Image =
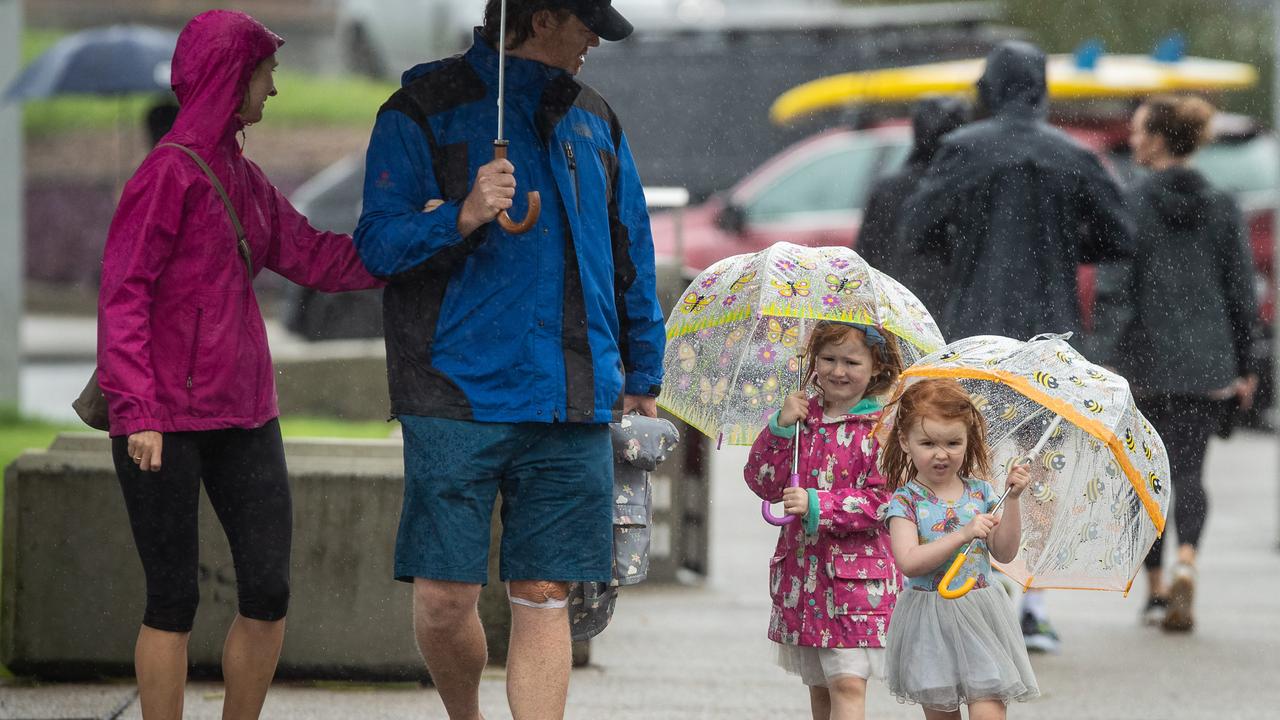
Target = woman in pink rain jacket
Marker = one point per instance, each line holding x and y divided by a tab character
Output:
832	579
184	365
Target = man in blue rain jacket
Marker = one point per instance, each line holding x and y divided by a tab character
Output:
508	354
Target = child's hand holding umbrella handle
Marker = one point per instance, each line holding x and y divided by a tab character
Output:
794	409
795	501
1019	478
980	527
1015	483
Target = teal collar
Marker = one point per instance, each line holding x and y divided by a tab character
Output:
866	406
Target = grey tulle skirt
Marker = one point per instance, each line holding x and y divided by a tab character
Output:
946	653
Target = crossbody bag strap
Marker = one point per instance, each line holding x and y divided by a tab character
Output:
241	241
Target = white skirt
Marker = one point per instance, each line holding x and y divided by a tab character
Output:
818	666
947	653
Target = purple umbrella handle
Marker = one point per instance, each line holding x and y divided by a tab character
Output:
767	511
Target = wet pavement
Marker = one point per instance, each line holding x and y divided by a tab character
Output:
699	651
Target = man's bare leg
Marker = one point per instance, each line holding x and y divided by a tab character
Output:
249	658
446	621
541	652
160	662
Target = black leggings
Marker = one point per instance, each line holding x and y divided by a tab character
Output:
1185	423
245	477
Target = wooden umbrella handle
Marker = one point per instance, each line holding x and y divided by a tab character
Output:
535	200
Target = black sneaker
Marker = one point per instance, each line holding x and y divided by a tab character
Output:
1155	611
1038	634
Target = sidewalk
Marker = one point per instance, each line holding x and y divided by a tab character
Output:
686	652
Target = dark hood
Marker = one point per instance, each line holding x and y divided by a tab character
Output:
1013	82
1181	196
931	118
216	55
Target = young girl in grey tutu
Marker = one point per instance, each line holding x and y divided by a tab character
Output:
944	653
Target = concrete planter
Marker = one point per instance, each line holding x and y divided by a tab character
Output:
73	588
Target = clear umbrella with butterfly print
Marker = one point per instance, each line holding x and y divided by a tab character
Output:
735	337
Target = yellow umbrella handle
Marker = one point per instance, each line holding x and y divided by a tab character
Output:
944	587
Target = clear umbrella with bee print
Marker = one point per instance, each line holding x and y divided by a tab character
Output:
1099	490
734	338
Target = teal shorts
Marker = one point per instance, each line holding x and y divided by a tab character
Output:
556	481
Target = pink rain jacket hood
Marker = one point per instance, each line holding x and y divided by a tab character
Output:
181	341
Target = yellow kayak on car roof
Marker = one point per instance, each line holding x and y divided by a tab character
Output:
1114	76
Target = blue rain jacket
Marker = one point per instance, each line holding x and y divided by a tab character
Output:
552	325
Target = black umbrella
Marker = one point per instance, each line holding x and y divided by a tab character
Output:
114	60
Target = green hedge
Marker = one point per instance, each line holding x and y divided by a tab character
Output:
304	99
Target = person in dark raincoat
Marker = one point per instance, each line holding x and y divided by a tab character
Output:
931	118
1178	321
1025	203
1013	206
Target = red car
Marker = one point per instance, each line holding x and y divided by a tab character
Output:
813	193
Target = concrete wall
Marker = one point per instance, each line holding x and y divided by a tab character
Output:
11	262
72	586
335	378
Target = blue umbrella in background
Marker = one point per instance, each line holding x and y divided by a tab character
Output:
115	60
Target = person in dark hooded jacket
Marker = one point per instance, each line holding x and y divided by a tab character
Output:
931	119
1177	321
1014	206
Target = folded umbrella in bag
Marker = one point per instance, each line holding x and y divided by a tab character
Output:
640	444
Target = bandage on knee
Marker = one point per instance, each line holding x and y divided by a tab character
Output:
549	603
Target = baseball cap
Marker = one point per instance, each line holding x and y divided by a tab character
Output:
600	18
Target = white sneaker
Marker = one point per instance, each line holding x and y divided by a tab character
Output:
1182	592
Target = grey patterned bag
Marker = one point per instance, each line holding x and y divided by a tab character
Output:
640	444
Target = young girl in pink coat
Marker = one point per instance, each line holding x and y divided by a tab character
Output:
832	577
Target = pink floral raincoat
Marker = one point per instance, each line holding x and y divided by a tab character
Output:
835	589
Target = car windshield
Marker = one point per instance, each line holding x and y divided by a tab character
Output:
1249	169
833	179
1246	166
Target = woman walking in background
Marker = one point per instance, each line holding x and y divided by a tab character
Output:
184	365
1177	321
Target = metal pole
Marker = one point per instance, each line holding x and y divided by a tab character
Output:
11	234
1275	221
502	64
